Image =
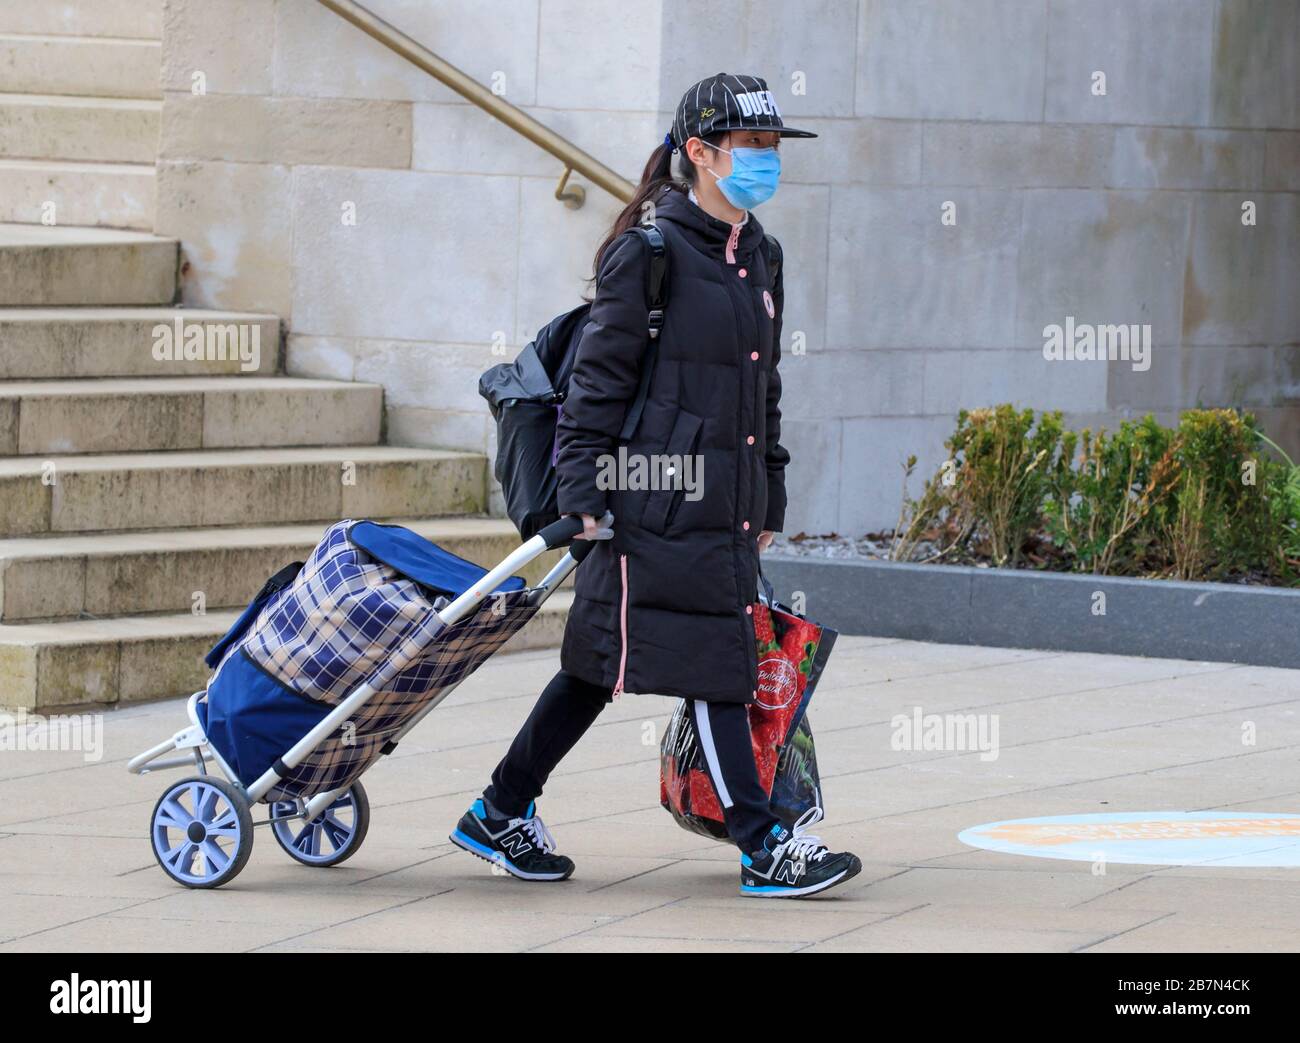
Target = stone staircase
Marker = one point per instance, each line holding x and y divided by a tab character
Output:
140	510
144	499
79	108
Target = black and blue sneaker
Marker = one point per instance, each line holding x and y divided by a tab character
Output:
795	864
522	846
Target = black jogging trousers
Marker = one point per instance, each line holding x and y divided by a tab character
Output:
568	706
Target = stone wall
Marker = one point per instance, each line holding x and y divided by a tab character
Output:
1115	208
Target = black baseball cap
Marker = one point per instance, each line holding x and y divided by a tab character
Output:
727	102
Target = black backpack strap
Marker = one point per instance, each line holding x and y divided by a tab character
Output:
657	298
657	287
773	258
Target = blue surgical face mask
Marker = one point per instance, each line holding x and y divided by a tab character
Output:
754	175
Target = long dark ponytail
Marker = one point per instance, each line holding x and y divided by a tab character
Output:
657	175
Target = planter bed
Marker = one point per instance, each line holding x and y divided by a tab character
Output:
962	605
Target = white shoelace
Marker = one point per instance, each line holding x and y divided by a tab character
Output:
802	845
536	829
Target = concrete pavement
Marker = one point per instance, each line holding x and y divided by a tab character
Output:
1076	734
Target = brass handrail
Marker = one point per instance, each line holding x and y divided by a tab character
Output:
471	90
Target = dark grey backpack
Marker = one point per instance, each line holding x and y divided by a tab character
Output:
526	397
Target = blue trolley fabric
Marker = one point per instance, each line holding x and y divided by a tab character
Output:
360	611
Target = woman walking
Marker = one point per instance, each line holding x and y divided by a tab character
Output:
665	606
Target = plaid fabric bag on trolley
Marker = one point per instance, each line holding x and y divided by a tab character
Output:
353	615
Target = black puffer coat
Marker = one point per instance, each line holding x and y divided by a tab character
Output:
663	608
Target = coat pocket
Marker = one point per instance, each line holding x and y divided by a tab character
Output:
662	503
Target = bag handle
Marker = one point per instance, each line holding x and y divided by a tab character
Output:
765	586
656	289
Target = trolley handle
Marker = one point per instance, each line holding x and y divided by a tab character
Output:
558	533
552	536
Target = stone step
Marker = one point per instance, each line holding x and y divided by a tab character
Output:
98	662
116	492
143	414
112	574
105	195
126	18
42	266
100	130
71	343
82	66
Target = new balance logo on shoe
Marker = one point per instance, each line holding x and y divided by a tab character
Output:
515	845
789	872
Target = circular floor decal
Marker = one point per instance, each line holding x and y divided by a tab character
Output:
1164	838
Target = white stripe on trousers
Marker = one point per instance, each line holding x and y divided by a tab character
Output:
705	729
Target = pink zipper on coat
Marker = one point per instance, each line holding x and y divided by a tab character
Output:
622	623
732	240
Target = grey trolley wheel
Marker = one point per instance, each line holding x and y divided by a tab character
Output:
202	832
332	837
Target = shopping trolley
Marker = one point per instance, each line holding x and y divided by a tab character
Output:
328	668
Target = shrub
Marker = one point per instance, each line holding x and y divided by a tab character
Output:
987	498
1104	510
1199	501
1003	477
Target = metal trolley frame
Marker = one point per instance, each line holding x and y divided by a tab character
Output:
214	814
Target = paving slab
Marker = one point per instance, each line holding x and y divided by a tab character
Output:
1078	734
